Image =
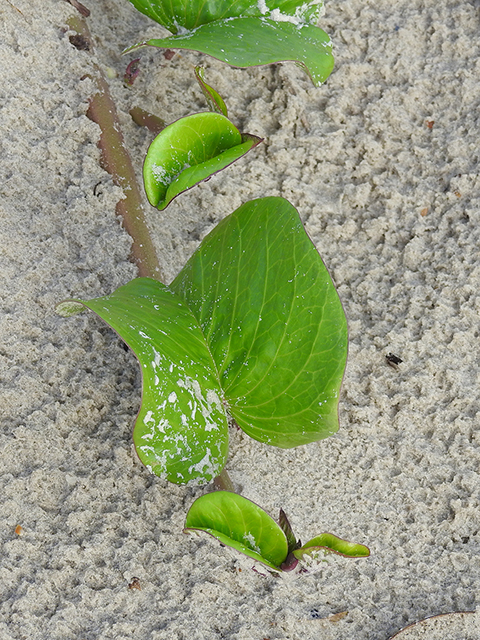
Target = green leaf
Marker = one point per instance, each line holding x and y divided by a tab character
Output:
253	321
273	321
242	525
189	14
181	431
328	543
248	42
239	524
214	100
189	151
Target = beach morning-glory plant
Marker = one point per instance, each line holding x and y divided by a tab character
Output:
244	526
245	33
251	329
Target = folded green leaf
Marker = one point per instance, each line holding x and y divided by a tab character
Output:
249	42
328	543
240	524
189	151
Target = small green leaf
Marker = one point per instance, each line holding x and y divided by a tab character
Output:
249	42
181	431
273	322
239	524
189	151
214	100
328	543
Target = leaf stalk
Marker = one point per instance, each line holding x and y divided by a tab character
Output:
223	482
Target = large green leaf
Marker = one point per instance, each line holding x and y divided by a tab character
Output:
273	322
249	42
253	319
181	431
239	524
190	150
189	14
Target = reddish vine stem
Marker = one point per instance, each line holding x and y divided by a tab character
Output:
116	160
145	119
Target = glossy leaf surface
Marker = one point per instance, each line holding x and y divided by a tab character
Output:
189	151
252	320
245	33
181	431
239	524
189	14
327	542
250	42
273	322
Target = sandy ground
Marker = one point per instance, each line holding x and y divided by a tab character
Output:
382	164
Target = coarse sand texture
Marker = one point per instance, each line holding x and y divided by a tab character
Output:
382	164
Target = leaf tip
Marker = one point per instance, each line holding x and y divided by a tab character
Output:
69	308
